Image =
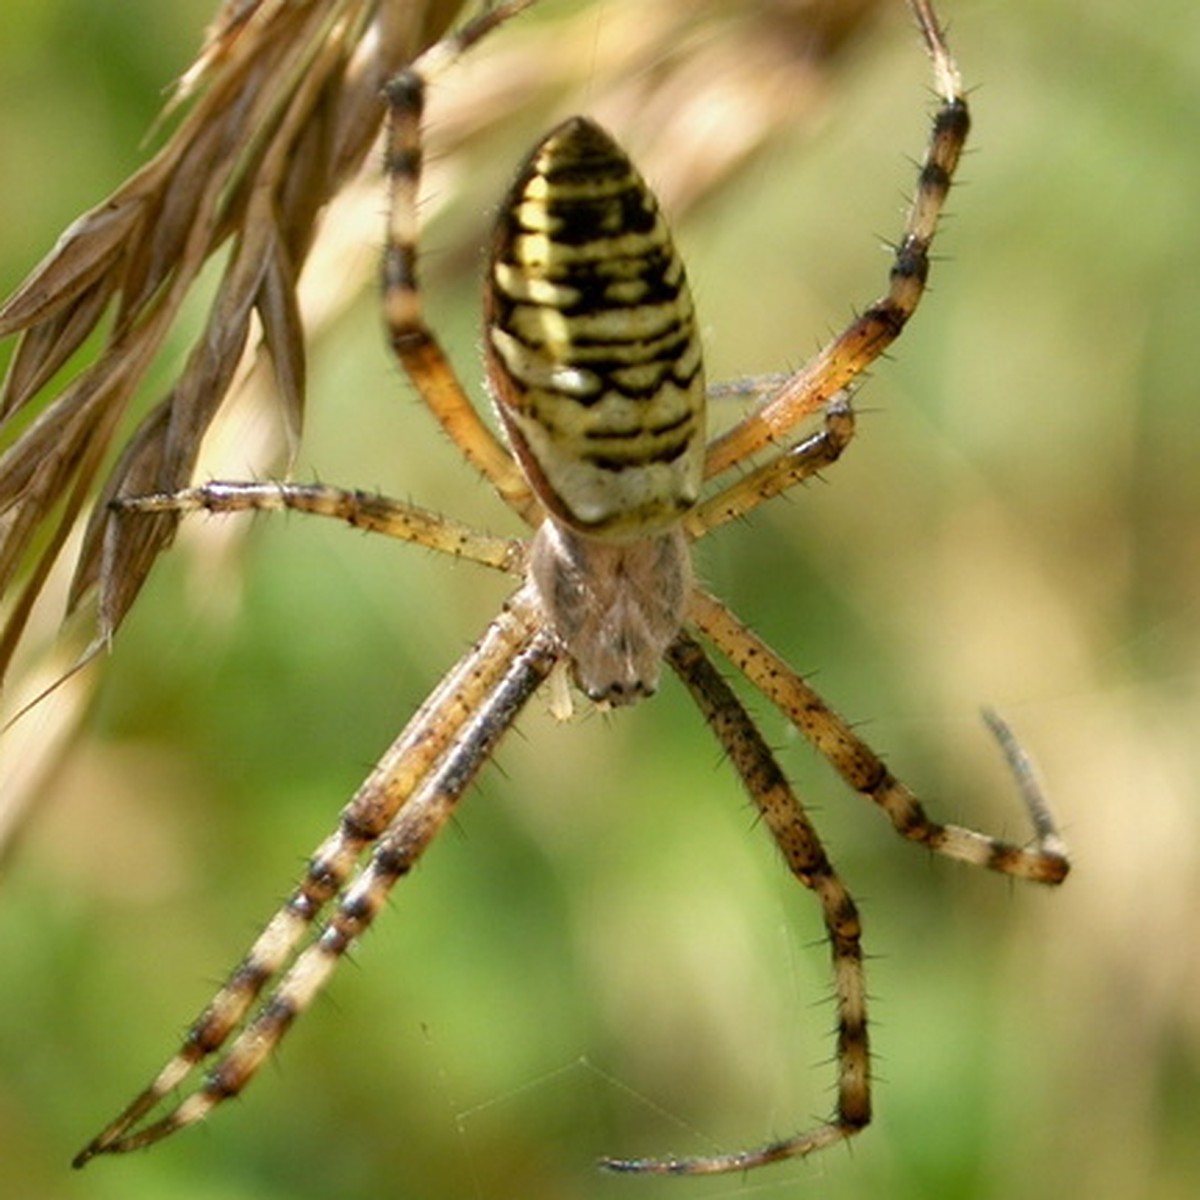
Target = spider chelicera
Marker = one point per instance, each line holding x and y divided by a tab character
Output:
595	368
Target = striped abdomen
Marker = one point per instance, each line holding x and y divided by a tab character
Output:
591	343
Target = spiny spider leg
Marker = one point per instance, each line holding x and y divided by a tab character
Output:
832	736
414	343
775	476
801	847
450	733
853	350
363	510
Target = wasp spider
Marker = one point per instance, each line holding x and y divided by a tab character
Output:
595	369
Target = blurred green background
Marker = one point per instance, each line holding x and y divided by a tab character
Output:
603	955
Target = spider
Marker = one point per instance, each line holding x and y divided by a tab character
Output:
594	365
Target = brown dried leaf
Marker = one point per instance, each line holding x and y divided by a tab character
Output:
283	337
83	254
135	472
46	347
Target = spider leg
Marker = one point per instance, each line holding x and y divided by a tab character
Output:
793	466
853	350
831	735
401	806
801	848
414	344
363	510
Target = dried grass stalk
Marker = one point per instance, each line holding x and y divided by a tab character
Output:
282	105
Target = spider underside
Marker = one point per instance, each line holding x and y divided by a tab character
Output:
595	369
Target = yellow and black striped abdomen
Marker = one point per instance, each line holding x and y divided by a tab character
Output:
592	349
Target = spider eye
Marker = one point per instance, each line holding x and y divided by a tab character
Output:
592	349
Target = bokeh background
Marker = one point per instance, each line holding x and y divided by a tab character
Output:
603	954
